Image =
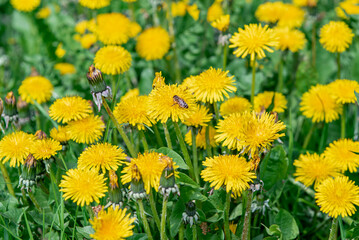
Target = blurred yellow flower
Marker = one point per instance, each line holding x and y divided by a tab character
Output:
178	9
305	3
153	43
343	90
291	16
234	105
60	52
347	7
193	11
263	100
291	39
94	4
25	5
269	11
201	137
113	28
221	23
36	88
336	36
113	60
134	29
81	26
43	13
86	130
199	118
87	40
214	12
65	68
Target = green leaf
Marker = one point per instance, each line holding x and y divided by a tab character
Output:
176	217
273	230
189	193
85	231
287	224
237	211
175	156
146	79
138	236
185	180
274	167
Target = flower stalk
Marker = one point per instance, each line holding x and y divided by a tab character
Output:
253	80
338	64
154	211
7	179
208	143
194	154
226	216
163	218
167	136
247	217
144	219
342	120
334	229
144	141
157	135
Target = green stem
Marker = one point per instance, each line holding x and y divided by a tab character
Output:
253	80
314	43
341	227
154	211
163	218
247	217
34	201
194	153
183	148
144	141
216	112
226	216
225	53
338	64
7	180
208	143
132	12
181	232
144	219
194	232
63	161
167	136
158	135
280	75
28	226
73	231
342	135
309	136
333	230
129	145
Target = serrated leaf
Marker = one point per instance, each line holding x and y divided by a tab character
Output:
175	156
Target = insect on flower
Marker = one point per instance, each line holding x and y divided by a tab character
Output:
179	101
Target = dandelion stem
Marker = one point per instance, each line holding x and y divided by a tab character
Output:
34	201
225	53
247	216
253	79
73	231
129	145
314	42
154	211
6	177
280	75
167	135
63	161
208	143
144	141
181	232
184	148
144	219
132	11
216	112
163	218
342	133
194	232
158	135
194	153
338	64
334	229
308	137
226	216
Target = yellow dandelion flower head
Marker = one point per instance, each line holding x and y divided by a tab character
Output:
87	40
15	147
337	197
25	5
113	28
291	17
158	81
291	39
60	52
234	105
129	1
77	37
213	85
153	43
102	156
43	13
320	105
86	130
45	148
67	109
130	93
253	40
94	4
170	101
81	26
92	25
178	9
65	68
83	186
231	171
348	7
134	29
269	11
188	82
305	3
314	168
200	117
201	137
343	90
344	152
214	12
263	100
134	111
60	134
113	60
193	11
36	88
113	224
221	23
336	36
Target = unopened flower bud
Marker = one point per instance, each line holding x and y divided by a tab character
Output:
190	216
40	134
158	81
1	106
10	111
114	192
137	189
168	180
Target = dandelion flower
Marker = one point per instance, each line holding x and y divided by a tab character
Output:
81	26
199	118
65	68
83	186
67	109
178	9
234	105
291	39
343	90
102	156
113	224
153	43
87	40
45	148
269	11
134	92
60	134
319	105
314	168
60	52
214	12
36	88
213	85
291	16
94	4
348	7
337	197
113	60
263	100
43	13
193	11
113	28
134	111
162	105
134	29
15	147
253	40
221	23
344	152
201	137
336	36
231	171
305	3
25	5
86	130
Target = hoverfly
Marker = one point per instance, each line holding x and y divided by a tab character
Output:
179	101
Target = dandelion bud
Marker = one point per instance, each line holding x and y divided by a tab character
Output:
23	110
1	106
10	111
115	194
40	134
190	216
159	81
32	172
137	186
168	180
